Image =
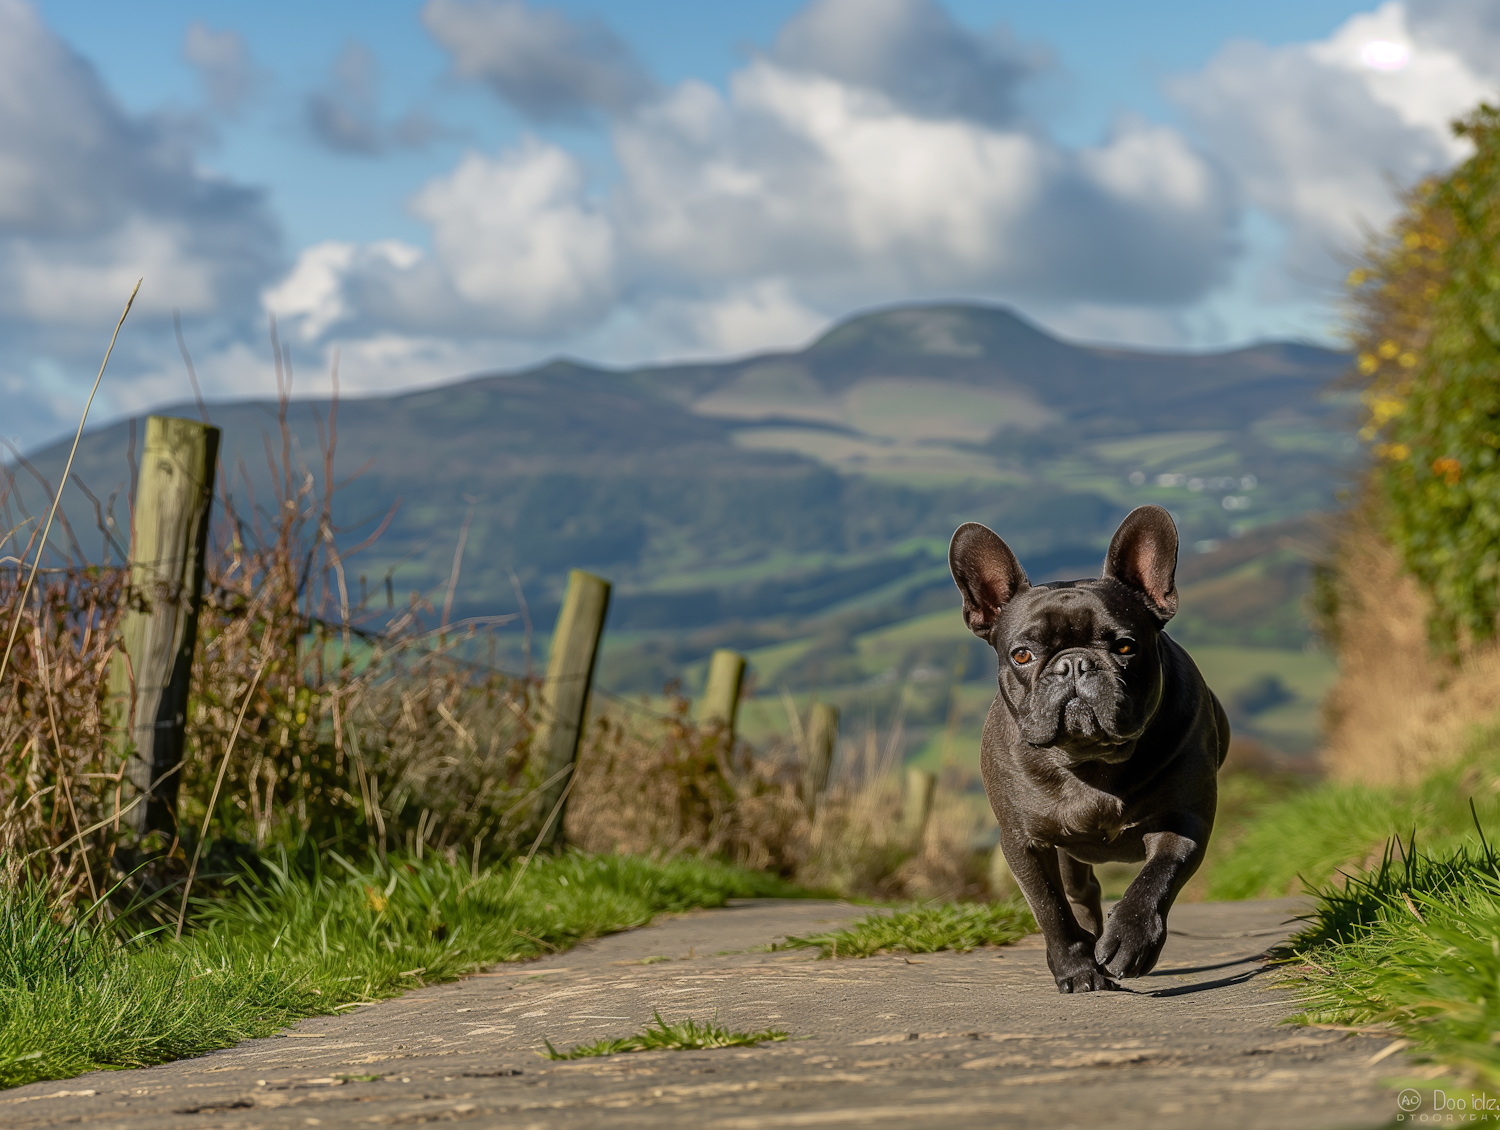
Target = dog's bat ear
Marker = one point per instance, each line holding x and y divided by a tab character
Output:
1143	555
987	574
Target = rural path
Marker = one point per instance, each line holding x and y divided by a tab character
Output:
950	1040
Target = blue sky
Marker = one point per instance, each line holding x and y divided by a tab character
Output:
435	188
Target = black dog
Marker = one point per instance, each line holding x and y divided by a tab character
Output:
1104	743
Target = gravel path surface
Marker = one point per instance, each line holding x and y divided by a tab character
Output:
949	1040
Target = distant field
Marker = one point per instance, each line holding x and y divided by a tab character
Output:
916	460
1160	449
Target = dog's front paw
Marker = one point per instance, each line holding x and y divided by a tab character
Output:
1089	980
1131	942
1076	971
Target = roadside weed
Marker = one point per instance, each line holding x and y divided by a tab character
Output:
923	929
683	1035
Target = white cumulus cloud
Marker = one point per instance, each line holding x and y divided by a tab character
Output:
518	250
344	116
90	195
836	187
914	53
1325	142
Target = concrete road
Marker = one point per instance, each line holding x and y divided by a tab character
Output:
948	1040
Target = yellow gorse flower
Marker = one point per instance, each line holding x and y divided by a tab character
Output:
1383	409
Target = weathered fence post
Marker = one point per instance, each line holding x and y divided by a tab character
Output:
565	693
721	695
920	785
148	678
822	736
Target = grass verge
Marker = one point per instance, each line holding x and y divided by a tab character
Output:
294	943
924	929
1307	838
1414	945
684	1035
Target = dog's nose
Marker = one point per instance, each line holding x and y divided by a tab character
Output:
1073	664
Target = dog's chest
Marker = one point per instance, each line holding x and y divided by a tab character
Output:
1063	811
1081	812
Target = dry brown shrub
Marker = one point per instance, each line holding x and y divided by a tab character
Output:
394	738
659	785
1397	709
654	782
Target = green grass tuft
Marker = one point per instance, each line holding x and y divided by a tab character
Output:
295	944
684	1035
924	929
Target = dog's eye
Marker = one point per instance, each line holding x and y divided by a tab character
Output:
1022	655
1124	647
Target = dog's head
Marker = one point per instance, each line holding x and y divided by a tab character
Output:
1079	667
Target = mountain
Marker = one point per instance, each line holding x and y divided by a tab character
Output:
808	495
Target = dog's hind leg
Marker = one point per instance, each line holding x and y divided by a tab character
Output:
1082	888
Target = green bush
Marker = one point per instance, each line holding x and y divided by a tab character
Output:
1428	342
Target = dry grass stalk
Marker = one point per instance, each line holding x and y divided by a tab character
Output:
58	782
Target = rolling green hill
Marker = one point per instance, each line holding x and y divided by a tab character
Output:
798	504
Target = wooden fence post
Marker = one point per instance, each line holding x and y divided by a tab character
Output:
149	675
721	694
565	693
822	737
920	785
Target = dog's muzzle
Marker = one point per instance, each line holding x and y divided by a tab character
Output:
1076	697
1079	719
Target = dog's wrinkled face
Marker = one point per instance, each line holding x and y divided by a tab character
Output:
1079	668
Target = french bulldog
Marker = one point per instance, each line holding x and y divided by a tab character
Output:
1103	744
